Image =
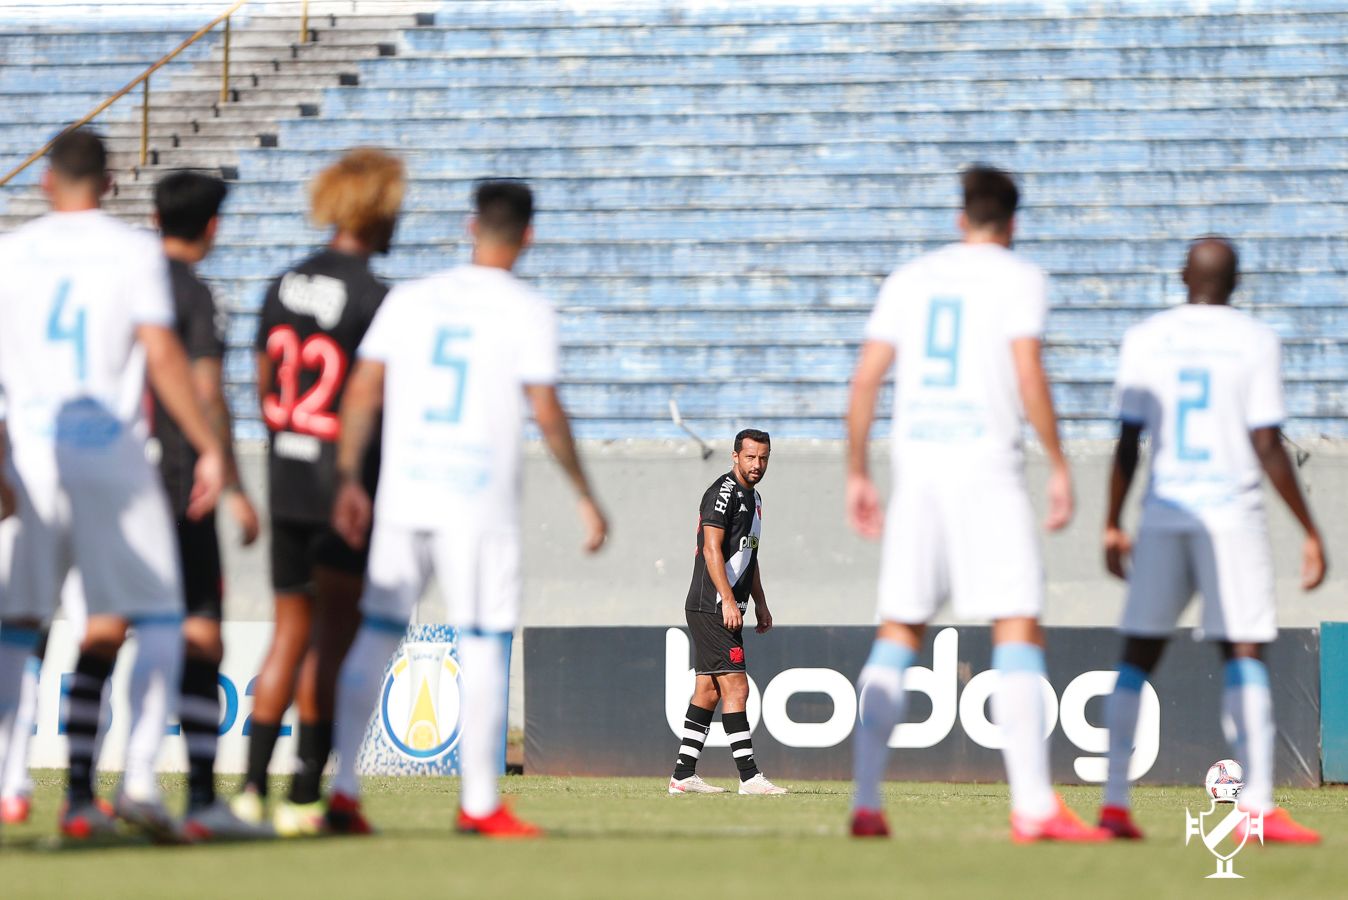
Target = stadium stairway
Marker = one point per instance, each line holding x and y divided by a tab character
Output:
722	188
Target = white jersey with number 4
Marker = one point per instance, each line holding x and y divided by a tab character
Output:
1199	378
458	349
952	315
73	290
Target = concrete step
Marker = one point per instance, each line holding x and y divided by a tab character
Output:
864	254
849	157
1143	99
897	190
428	223
454	128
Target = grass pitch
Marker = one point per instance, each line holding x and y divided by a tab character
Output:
625	838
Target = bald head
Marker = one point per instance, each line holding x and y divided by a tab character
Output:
1210	272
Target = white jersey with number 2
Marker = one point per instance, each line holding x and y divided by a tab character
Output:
458	348
1199	379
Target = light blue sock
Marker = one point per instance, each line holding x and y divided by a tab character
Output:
880	706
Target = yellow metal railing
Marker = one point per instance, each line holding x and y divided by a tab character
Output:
143	81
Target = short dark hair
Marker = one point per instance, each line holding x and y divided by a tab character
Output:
186	202
79	155
505	207
752	434
990	196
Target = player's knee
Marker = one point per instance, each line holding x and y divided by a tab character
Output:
734	687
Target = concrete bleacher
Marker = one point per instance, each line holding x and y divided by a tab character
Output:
723	186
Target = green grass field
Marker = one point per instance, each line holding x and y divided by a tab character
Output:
626	838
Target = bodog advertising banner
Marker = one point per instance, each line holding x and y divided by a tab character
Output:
610	701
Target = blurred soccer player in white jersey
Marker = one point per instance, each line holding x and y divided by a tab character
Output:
451	359
1205	381
85	313
965	324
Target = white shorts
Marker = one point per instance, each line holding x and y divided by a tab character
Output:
106	513
478	572
72	593
1231	566
967	539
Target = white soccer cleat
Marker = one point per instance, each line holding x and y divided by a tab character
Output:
249	807
293	820
218	822
760	786
693	784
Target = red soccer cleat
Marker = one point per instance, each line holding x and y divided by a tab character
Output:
1118	821
15	810
345	817
500	824
1063	825
1281	828
869	823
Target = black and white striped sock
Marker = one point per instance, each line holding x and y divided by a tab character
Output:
83	704
741	745
199	713
696	724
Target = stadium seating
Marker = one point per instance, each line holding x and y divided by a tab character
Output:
723	188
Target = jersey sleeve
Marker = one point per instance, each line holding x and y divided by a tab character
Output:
149	292
202	335
1130	392
883	324
1026	315
538	346
1265	406
715	511
380	341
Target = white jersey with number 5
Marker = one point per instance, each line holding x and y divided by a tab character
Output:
458	349
1199	379
952	315
73	290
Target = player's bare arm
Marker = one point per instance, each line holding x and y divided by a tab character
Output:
1038	402
1118	545
712	536
556	429
171	377
8	500
761	612
207	382
1276	464
864	512
353	508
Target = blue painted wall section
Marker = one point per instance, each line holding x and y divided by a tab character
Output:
1334	701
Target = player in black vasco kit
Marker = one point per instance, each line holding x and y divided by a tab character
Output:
725	569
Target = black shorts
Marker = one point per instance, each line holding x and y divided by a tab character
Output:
203	582
296	547
716	649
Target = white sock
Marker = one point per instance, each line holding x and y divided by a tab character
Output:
1121	719
485	661
154	695
15	781
1018	707
16	646
881	703
1247	719
358	687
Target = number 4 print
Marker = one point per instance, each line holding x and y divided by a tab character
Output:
61	327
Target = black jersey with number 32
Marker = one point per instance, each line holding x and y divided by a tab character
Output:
313	319
738	510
